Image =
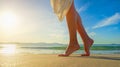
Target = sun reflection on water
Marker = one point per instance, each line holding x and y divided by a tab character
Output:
8	49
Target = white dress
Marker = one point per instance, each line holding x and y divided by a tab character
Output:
61	7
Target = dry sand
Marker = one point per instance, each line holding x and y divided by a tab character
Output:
48	60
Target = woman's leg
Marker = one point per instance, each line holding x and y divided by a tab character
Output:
87	41
72	26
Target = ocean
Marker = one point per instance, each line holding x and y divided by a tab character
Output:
55	48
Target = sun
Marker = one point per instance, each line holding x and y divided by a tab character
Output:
8	21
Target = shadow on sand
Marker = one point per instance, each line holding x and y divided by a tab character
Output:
104	57
100	57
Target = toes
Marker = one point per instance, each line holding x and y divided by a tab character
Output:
63	55
85	55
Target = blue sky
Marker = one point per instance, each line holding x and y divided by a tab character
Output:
102	18
34	21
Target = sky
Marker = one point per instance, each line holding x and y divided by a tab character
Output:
35	21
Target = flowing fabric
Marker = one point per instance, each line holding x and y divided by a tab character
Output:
61	7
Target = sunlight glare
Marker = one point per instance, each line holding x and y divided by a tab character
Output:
8	49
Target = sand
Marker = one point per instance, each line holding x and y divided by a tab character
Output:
49	60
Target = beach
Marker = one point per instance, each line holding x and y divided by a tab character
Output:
53	60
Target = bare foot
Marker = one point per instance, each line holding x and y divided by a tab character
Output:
71	48
87	46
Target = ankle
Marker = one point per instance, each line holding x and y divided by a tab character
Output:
73	42
88	40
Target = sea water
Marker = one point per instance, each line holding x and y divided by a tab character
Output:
55	48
